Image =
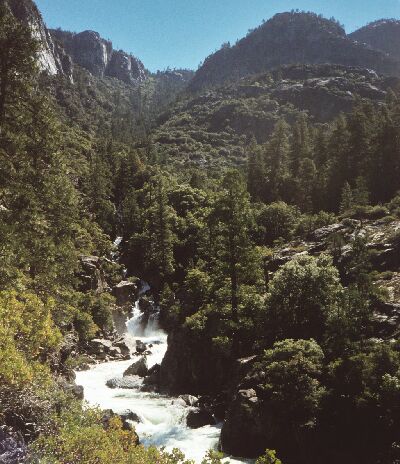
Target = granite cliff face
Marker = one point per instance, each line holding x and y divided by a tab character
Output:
61	50
90	51
381	35
52	58
290	38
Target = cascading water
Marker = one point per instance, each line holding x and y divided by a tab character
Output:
163	421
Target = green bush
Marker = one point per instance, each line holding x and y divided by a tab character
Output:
302	297
83	437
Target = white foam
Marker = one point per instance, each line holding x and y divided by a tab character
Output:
163	423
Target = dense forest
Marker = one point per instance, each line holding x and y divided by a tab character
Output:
276	275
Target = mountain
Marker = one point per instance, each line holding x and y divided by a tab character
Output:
290	38
52	58
89	50
60	50
381	35
215	126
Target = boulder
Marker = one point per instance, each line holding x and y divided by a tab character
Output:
99	346
138	368
121	344
179	402
76	390
141	347
189	400
243	432
92	276
115	352
153	375
125	292
129	382
199	418
128	415
71	388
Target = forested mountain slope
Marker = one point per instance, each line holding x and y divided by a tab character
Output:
381	35
215	127
290	38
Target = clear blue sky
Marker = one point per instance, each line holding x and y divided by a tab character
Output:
181	33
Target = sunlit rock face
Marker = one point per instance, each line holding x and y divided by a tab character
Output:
126	68
52	58
60	50
87	49
90	51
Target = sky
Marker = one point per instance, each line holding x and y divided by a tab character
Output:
182	33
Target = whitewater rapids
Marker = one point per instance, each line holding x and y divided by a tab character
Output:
163	422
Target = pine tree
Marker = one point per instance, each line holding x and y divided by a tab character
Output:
18	67
346	202
338	154
158	235
384	169
361	125
306	185
235	259
255	171
360	192
276	161
301	144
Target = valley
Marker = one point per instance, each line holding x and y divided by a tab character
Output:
200	266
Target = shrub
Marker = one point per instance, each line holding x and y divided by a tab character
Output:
277	220
81	437
303	295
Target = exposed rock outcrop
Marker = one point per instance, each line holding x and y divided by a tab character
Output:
199	418
129	383
52	58
186	366
90	51
138	368
243	433
92	275
125	292
101	349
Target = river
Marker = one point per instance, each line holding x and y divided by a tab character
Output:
163	420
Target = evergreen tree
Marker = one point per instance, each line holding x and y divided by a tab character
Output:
338	153
301	144
158	235
235	259
346	202
306	185
255	172
384	169
18	65
277	161
360	192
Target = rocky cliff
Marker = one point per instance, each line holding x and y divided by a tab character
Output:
60	50
52	57
381	35
290	38
90	51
